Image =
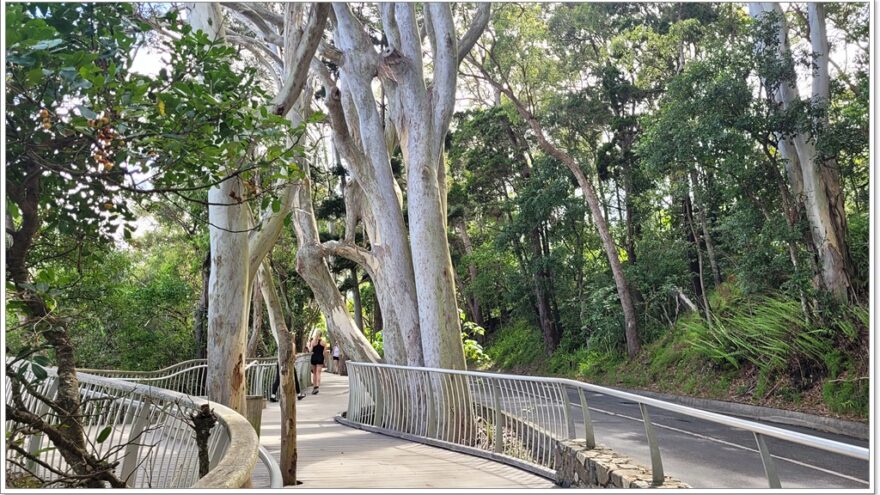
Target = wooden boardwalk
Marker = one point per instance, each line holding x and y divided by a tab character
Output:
336	456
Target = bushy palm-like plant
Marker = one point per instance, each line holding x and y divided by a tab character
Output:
766	332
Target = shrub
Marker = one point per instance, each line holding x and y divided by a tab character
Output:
516	345
767	332
847	395
473	351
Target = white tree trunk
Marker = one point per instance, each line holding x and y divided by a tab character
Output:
229	281
421	116
228	295
312	266
838	279
411	269
828	235
256	335
359	135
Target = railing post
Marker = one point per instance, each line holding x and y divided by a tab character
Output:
499	416
767	459
352	393
378	397
566	411
432	407
656	461
130	463
589	436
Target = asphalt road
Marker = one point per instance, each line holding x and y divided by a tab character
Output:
708	455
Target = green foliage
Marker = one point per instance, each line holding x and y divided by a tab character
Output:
848	396
859	247
659	104
378	344
518	346
766	332
473	351
71	86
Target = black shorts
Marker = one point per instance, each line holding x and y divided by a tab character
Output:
316	360
336	358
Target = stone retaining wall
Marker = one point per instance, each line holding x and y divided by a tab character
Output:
580	467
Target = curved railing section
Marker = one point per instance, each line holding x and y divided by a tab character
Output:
519	420
149	437
190	377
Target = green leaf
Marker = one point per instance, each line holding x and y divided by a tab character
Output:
47	44
104	434
87	112
34	75
316	118
39	371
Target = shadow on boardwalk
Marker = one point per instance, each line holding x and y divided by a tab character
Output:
335	456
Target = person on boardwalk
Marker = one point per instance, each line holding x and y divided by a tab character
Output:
277	382
317	346
335	358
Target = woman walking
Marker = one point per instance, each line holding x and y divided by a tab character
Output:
317	347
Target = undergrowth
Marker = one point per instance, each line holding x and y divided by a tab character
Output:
756	349
516	346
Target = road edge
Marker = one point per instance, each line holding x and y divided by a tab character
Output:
854	429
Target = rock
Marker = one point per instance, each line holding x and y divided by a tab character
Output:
603	474
624	477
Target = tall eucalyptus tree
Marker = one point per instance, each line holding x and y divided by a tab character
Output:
813	176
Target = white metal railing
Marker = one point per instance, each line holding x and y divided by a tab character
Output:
520	419
149	436
190	377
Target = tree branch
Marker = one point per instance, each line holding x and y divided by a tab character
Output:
305	50
329	52
256	21
478	25
351	252
445	69
389	25
256	47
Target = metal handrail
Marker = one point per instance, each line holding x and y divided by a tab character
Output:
172	384
197	369
275	477
149	437
165	377
114	373
192	380
537	410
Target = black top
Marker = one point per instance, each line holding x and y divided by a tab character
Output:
318	350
